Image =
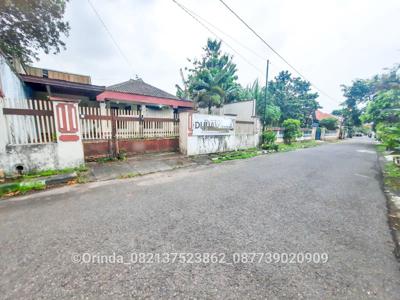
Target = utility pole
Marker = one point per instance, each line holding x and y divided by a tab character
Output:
265	94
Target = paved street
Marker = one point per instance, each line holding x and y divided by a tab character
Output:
323	199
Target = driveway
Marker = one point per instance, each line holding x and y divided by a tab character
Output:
326	199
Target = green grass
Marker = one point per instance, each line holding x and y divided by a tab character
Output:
21	187
297	145
380	148
45	173
240	154
392	175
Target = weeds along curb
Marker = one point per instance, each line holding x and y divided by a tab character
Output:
393	208
35	184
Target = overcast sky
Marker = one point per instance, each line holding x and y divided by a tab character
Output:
331	42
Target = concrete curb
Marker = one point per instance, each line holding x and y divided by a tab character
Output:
393	206
59	179
37	183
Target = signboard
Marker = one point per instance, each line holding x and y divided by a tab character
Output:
212	125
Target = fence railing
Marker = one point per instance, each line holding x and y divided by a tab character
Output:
29	121
100	124
331	132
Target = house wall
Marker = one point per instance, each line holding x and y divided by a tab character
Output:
10	84
11	87
244	110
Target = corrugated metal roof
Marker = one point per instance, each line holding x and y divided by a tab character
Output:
140	87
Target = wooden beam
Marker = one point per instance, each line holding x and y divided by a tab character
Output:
27	112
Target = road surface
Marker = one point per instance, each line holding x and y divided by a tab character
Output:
84	241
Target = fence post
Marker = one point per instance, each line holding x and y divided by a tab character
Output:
313	133
323	133
68	132
3	132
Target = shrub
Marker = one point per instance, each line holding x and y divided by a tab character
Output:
389	135
273	147
329	123
269	137
291	130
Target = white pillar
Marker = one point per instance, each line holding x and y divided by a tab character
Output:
69	140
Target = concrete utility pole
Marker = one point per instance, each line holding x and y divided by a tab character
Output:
265	94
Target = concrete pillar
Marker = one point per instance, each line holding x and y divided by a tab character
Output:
3	131
185	124
69	140
323	133
313	133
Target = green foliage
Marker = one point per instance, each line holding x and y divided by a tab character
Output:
287	98
15	188
329	123
269	138
389	135
240	154
28	26
272	115
297	145
294	98
45	173
212	80
291	130
385	107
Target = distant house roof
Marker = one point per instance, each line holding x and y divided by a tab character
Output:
320	115
139	87
137	91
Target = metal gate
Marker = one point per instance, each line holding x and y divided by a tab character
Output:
108	131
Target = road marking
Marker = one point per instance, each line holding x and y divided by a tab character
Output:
366	151
360	175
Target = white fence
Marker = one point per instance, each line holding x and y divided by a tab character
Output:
28	121
98	124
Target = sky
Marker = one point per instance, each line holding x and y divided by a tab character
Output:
331	42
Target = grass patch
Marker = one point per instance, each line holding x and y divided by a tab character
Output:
380	148
12	189
392	175
240	154
45	173
297	145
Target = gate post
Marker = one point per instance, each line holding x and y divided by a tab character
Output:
68	133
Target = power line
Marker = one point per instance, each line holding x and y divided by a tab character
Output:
111	36
212	32
276	52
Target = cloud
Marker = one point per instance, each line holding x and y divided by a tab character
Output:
330	42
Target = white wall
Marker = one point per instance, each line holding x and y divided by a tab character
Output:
243	110
216	138
10	83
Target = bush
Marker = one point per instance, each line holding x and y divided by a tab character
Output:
291	130
273	147
269	137
329	123
389	135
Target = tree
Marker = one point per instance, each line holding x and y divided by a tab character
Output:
212	81
27	26
291	130
272	115
360	91
294	98
383	107
329	123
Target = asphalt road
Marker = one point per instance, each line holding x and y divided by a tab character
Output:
321	200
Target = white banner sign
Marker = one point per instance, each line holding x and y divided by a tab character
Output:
212	125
